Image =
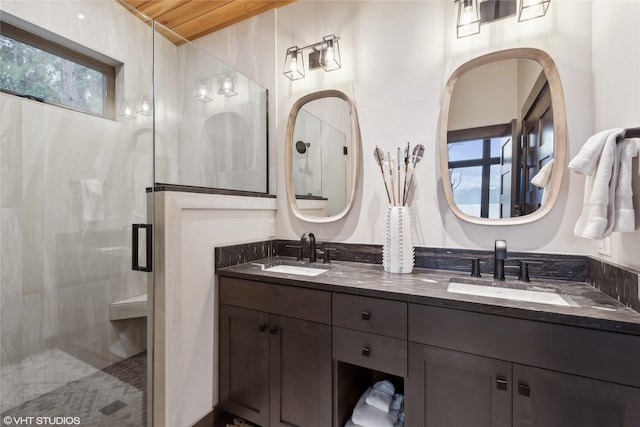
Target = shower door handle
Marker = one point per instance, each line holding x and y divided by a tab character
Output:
136	247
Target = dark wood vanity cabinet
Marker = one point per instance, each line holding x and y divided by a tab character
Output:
294	356
275	354
483	370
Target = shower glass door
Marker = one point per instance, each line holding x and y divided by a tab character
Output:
76	325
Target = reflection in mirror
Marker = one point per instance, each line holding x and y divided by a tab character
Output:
504	128
322	156
218	137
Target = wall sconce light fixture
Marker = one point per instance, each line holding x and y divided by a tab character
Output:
531	9
202	91
324	54
127	109
473	13
468	22
228	84
144	106
294	64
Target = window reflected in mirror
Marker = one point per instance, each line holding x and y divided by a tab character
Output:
502	122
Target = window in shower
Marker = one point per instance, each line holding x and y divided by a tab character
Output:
37	68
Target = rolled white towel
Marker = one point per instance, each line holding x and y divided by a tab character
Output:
350	423
379	399
397	405
386	386
368	416
381	395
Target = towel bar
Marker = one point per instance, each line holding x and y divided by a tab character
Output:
629	133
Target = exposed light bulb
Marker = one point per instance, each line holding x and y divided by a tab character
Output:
330	55
144	106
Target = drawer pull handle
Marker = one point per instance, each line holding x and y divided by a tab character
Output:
501	383
273	330
366	315
366	351
524	390
262	327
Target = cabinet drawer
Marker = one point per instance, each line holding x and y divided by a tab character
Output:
376	352
301	303
374	315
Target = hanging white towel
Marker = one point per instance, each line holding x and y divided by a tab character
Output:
92	201
586	160
624	214
542	178
597	217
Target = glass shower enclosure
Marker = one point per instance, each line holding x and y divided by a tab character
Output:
75	322
77	204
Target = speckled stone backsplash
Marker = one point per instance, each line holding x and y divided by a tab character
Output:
621	283
548	266
226	256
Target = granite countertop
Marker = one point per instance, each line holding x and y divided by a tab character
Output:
590	308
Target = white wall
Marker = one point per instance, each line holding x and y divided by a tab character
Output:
396	75
616	75
494	101
396	59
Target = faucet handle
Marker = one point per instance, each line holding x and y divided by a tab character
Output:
523	275
475	266
298	253
326	252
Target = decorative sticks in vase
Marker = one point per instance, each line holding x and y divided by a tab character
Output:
398	254
411	159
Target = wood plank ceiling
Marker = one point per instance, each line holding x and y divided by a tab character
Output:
192	19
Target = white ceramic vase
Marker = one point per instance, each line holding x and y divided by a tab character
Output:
397	250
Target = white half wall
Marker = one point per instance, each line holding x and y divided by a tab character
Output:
188	227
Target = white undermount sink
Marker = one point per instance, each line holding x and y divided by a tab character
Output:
296	269
508	293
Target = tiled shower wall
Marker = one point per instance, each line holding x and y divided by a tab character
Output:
64	256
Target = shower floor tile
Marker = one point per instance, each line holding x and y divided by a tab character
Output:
120	387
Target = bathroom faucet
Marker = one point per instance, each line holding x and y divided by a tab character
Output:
500	254
312	245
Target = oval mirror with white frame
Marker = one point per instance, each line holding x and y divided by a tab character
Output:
322	156
503	138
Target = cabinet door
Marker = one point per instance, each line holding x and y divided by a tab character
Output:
300	359
455	389
545	398
244	363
